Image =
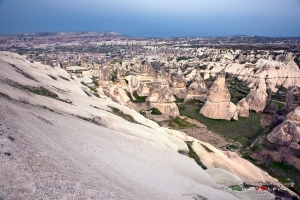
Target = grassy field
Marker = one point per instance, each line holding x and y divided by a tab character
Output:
243	129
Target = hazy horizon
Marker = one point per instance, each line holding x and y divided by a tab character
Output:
172	18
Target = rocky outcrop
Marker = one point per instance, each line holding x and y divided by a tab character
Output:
242	108
118	95
105	74
197	89
144	89
218	105
288	132
274	73
178	84
257	96
162	98
133	82
147	69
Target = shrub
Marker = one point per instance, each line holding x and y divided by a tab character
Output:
183	58
139	98
155	111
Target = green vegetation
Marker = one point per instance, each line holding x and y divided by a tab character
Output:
243	140
194	101
38	90
248	127
118	112
89	95
93	89
87	119
204	67
179	123
206	148
53	77
183	58
244	131
283	172
279	105
96	83
26	75
231	147
116	61
192	154
11	138
66	79
178	100
50	109
138	98
114	76
155	111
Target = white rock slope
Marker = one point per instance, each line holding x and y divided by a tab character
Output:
50	150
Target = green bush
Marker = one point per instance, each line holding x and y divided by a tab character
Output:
139	98
155	111
192	154
181	123
183	58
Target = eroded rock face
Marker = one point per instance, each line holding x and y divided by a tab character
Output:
242	108
105	74
288	132
257	96
118	95
218	105
197	89
178	84
178	80
169	109
161	97
143	90
162	73
147	69
133	82
161	93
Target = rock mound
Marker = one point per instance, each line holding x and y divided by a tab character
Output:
197	89
162	98
218	105
242	108
257	96
178	84
288	132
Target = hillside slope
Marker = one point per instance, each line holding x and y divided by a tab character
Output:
57	142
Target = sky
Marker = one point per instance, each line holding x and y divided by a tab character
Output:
153	18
